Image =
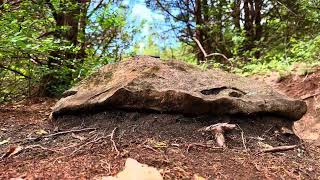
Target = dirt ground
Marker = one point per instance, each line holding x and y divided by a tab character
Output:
168	142
305	87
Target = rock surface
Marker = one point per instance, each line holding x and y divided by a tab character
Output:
146	83
133	170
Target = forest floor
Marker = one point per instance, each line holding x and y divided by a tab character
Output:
85	147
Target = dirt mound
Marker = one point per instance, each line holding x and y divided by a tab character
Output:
146	83
307	88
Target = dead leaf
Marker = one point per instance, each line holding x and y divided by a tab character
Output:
135	170
12	151
157	144
81	138
264	145
41	132
198	177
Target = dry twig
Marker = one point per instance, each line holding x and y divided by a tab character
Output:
202	145
310	96
41	147
278	149
243	139
94	139
113	143
69	131
55	134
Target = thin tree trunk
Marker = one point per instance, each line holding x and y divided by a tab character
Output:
248	26
199	23
236	12
258	26
82	26
67	21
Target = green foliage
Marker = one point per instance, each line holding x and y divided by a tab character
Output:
34	43
181	52
306	53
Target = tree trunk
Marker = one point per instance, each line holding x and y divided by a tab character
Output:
236	12
258	26
248	26
67	21
82	26
199	34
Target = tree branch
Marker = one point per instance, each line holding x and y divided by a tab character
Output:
95	9
169	13
212	54
15	71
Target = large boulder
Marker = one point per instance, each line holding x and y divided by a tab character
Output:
146	83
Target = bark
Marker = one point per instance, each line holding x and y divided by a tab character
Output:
258	32
248	26
236	12
67	21
82	26
252	23
199	33
68	18
258	26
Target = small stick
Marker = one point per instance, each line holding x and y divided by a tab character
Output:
310	96
54	134
242	136
202	145
94	139
69	131
41	147
148	147
113	143
278	149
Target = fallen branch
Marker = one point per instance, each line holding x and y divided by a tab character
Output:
218	131
212	54
54	134
279	149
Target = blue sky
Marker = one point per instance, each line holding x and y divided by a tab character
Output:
154	24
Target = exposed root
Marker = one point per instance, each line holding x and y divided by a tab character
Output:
113	143
218	131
